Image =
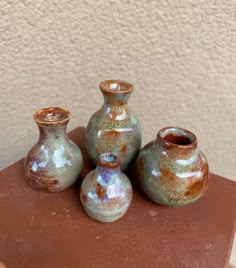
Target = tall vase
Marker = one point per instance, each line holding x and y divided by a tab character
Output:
171	170
114	128
106	192
54	162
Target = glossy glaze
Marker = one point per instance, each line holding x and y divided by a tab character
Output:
106	192
54	162
114	128
171	170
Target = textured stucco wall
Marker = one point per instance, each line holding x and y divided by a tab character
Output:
180	55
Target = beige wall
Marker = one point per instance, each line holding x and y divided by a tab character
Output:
180	55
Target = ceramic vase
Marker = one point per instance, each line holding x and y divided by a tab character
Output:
54	162
106	192
114	128
171	170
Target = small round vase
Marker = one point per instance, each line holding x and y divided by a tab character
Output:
54	162
106	192
171	170
114	128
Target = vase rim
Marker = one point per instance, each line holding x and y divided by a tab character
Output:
52	116
116	86
109	160
177	137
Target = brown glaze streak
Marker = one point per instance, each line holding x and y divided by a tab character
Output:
120	103
118	200
107	141
115	134
199	187
41	181
84	198
110	134
100	191
195	189
115	201
168	179
172	183
123	148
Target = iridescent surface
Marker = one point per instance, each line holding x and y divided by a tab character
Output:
106	192
54	162
171	170
114	128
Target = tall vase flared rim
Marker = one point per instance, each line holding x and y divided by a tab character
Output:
51	116
116	86
177	137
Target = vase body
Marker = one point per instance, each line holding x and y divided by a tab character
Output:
106	192
114	128
54	162
171	170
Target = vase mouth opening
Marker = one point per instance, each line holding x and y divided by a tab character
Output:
52	116
177	137
116	86
109	160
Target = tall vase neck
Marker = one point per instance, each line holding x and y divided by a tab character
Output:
109	106
116	92
116	99
177	142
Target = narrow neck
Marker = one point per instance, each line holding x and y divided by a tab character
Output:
116	98
52	122
55	132
115	112
104	171
108	164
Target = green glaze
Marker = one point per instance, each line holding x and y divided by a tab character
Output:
114	128
54	162
171	170
106	192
